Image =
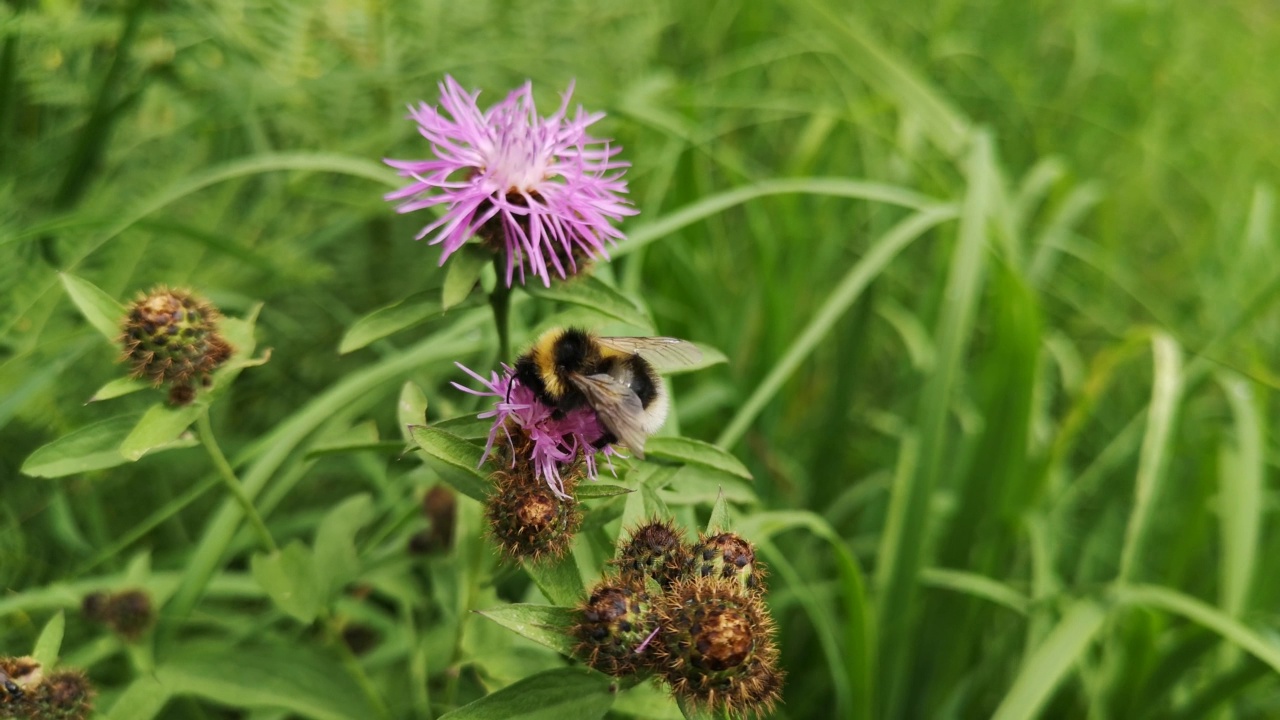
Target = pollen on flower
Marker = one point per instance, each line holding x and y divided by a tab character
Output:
538	190
553	442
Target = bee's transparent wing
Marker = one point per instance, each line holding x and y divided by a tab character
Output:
618	408
665	354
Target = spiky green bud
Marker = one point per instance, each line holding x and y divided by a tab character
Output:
716	647
614	628
170	336
727	556
655	550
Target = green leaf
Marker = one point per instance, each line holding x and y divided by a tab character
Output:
50	641
92	447
719	521
160	429
688	450
458	459
283	677
467	427
142	700
118	388
102	311
463	273
558	694
411	409
289	577
591	292
694	712
1051	661
337	562
380	323
549	625
363	436
558	578
586	491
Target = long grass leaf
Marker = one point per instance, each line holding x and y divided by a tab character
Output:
1197	611
833	187
1155	447
1240	497
1049	664
964	284
882	252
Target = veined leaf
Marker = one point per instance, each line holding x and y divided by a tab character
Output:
558	694
548	625
102	311
688	450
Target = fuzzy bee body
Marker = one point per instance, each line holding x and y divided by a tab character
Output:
616	376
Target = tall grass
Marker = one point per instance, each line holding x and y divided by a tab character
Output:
996	284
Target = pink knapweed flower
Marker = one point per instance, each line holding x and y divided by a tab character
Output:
541	190
556	441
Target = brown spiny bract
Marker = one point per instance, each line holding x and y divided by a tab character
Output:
128	613
614	628
132	613
655	550
716	648
526	519
170	336
728	556
26	691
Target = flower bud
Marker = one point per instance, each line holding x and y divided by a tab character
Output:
716	647
170	336
727	556
526	518
128	613
614	627
26	691
655	550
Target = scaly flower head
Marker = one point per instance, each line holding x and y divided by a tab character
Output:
538	189
548	439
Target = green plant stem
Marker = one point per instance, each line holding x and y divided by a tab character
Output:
500	301
232	482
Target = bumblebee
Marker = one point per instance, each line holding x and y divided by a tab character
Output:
617	377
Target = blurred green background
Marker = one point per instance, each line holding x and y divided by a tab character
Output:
1040	423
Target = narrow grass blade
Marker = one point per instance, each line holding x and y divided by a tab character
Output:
882	252
1049	664
1155	447
1202	613
978	586
955	322
1241	495
946	126
713	204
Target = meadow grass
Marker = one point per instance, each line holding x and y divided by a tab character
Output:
995	282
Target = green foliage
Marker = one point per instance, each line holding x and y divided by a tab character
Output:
987	296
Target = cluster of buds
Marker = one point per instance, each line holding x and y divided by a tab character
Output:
128	613
27	691
694	615
527	519
171	336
